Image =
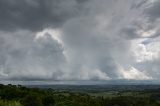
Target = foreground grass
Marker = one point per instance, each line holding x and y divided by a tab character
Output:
9	103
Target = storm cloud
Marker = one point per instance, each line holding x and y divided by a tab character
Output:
79	39
36	14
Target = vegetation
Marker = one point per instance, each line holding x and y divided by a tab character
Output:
12	95
9	103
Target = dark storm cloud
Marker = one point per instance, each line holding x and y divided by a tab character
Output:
148	20
153	11
130	32
36	14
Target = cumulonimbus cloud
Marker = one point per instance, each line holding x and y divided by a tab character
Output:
80	40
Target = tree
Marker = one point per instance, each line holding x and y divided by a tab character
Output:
48	100
32	100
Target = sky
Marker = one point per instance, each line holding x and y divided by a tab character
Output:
79	40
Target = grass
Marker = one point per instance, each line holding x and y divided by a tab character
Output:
9	103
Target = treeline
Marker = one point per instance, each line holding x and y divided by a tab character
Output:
17	95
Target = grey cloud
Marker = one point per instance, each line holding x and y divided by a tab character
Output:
94	46
153	11
146	19
130	32
96	37
101	39
150	67
30	59
36	14
139	4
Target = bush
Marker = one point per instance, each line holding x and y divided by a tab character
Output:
48	100
32	100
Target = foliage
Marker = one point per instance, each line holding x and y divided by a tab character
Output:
12	95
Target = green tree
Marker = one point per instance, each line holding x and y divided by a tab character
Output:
32	100
48	100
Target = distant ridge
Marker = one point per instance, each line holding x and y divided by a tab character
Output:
86	82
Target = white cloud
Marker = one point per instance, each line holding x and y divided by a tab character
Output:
134	74
55	33
146	52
